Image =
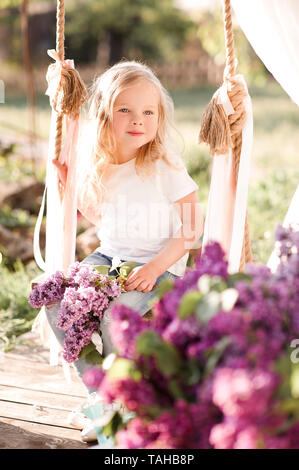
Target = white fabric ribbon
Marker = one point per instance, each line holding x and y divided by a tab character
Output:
223	99
242	188
226	210
61	217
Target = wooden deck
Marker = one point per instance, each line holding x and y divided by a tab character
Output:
35	400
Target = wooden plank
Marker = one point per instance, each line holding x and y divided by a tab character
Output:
16	434
38	376
39	398
34	414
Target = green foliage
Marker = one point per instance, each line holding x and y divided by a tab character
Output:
16	314
188	303
211	33
144	29
167	357
15	168
268	201
123	368
15	217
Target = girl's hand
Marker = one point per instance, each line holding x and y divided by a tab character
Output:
142	278
62	171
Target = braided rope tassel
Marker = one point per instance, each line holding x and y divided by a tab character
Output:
222	131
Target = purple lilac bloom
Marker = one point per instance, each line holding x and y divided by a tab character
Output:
125	326
181	332
78	336
78	302
212	261
181	428
50	291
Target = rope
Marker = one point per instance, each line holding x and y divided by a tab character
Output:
60	21
221	131
71	92
237	119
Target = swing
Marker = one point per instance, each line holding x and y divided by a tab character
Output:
222	129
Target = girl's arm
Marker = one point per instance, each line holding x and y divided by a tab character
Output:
86	210
185	238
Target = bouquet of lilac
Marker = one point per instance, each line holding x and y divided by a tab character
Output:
216	366
84	294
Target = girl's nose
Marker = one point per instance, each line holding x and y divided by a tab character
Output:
137	120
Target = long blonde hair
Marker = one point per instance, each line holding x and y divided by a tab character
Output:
99	145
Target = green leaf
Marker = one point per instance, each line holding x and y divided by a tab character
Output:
283	366
86	350
236	277
123	369
101	268
188	303
208	307
94	357
111	428
125	268
191	372
148	342
153	411
168	360
175	389
214	355
164	286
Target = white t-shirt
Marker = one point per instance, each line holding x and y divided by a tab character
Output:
138	216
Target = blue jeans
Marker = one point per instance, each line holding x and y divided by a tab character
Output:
139	301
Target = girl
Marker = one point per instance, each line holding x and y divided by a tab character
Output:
134	187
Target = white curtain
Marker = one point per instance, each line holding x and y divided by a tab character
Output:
272	28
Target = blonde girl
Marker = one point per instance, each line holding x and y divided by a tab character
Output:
134	187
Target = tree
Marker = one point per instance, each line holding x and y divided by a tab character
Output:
147	29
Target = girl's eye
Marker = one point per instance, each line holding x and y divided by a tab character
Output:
126	109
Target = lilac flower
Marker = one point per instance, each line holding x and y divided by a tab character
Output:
181	332
181	428
50	291
78	336
212	261
93	377
125	326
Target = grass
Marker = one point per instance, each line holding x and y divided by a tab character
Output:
273	179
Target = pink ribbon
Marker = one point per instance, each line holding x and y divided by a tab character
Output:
61	223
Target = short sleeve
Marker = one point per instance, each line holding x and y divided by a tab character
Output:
176	183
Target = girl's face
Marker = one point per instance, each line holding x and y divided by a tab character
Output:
135	117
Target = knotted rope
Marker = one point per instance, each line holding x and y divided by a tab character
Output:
68	93
224	118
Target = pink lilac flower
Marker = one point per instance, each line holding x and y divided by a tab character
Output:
126	325
93	377
180	428
232	395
